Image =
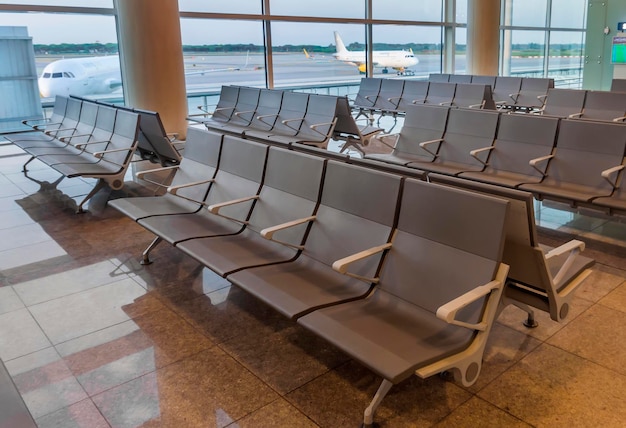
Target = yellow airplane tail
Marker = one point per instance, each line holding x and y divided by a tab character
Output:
306	54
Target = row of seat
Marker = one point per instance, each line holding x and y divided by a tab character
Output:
84	139
574	161
403	275
517	93
585	104
283	117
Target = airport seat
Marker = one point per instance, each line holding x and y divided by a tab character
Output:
414	92
533	93
315	127
563	102
422	123
586	162
189	184
50	123
539	277
155	145
438	77
264	118
618	85
519	139
466	130
223	110
437	295
227	206
468	95
290	191
604	106
440	93
366	97
506	90
389	96
346	222
616	203
460	78
347	130
290	117
484	80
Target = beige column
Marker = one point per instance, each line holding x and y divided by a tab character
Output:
483	38
152	59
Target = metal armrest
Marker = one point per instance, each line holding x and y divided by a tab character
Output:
542	98
381	139
480	106
69	137
418	101
575	115
262	117
474	153
317	125
104	152
56	131
534	162
446	103
88	143
286	122
215	208
448	311
239	113
341	265
606	174
619	119
423	145
172	136
514	96
573	247
268	232
174	189
141	174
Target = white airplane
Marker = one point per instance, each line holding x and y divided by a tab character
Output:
90	75
398	60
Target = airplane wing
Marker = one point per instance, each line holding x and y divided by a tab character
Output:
210	70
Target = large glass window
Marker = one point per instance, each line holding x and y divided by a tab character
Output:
527	13
568	14
71	3
319	8
239	6
416	10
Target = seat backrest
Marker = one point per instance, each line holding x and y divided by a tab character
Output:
415	92
124	139
505	87
351	221
70	120
240	175
467	130
564	102
618	85
368	92
460	78
345	121
293	107
602	105
484	80
533	91
202	154
154	144
440	93
448	241
422	123
87	121
583	150
473	95
246	106
290	191
390	94
267	110
58	111
226	103
319	119
438	77
521	138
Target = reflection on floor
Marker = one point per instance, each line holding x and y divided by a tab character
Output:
93	339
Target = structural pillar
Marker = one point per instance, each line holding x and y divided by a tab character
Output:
483	36
151	52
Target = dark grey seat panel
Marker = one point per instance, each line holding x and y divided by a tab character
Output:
484	80
202	151
471	95
414	92
533	92
240	174
438	77
389	95
460	78
584	149
346	223
290	192
319	121
290	116
440	93
267	110
605	106
366	97
395	331
618	85
520	138
466	130
154	144
564	102
506	90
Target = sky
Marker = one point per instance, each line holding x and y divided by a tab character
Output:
67	28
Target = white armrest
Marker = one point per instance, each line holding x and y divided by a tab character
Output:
424	144
141	174
542	98
514	96
262	117
381	139
619	119
69	137
573	247
480	106
446	103
88	143
418	101
238	113
286	122
104	152
56	131
474	153
448	311
606	174
174	189
316	125
215	208
575	115
341	265
534	162
268	232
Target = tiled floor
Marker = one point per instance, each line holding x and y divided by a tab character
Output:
93	339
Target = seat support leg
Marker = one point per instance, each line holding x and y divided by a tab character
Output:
99	185
32	158
145	260
368	415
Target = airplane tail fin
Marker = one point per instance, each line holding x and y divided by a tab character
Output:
341	48
306	54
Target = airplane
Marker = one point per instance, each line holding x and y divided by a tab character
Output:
398	60
91	75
